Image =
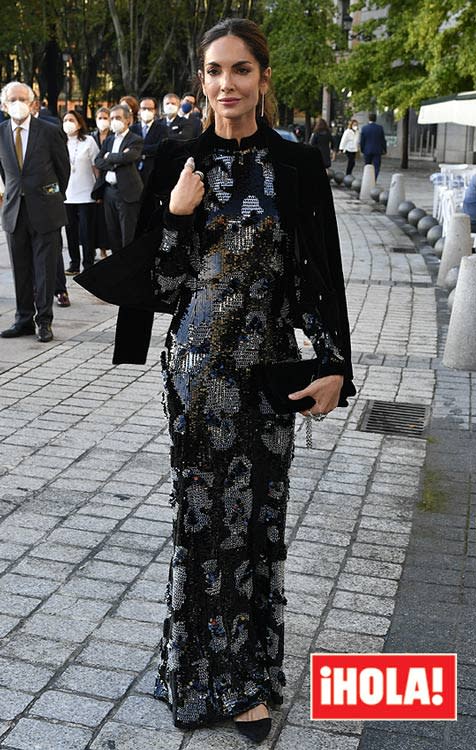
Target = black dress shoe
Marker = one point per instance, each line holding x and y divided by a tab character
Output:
44	333
256	730
71	271
16	330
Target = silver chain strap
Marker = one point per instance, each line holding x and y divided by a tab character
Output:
308	419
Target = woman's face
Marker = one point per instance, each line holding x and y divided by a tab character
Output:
71	118
232	78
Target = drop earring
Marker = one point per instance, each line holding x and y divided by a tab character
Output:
205	109
262	105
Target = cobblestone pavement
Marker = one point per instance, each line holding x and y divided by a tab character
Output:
85	519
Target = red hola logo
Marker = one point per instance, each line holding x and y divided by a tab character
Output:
392	687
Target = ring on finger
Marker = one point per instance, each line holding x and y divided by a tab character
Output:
318	417
200	174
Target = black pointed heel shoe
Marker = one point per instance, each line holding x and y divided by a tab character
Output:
256	730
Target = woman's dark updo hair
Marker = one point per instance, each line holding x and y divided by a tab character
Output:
251	34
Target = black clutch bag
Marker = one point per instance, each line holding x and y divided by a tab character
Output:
278	379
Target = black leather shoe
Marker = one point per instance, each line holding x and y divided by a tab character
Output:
16	330
44	333
72	271
255	730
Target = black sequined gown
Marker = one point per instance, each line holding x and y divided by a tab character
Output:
222	647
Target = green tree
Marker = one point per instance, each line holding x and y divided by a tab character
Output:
386	70
443	33
301	35
84	30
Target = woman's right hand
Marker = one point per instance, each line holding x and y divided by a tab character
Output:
188	192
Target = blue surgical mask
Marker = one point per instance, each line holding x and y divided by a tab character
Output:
186	107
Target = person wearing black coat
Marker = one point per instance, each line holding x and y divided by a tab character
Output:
311	223
322	139
243	248
119	183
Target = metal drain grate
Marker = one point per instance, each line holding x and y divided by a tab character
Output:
394	418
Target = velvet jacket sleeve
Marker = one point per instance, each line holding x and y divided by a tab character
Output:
322	300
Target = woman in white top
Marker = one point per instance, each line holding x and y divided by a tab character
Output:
349	143
83	149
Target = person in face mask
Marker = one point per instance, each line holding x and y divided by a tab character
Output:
35	167
153	131
349	143
103	129
103	126
191	113
178	127
119	183
83	150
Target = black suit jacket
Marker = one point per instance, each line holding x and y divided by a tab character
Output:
123	163
180	128
43	179
157	133
307	213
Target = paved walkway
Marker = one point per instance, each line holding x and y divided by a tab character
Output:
86	523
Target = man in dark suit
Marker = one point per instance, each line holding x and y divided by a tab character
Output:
119	183
34	165
178	127
44	113
153	131
373	143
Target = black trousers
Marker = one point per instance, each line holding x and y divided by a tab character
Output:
80	231
34	259
350	161
121	218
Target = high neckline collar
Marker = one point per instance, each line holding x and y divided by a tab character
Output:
231	144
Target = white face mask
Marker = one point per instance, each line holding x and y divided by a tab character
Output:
355	127
18	110
146	115
117	126
170	109
102	123
69	127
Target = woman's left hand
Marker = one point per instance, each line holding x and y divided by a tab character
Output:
325	392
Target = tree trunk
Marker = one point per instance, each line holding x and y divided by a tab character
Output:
405	128
121	46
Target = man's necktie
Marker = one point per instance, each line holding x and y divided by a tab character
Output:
19	147
144	131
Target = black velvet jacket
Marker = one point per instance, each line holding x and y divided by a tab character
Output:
306	211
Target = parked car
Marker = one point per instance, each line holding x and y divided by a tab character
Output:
288	135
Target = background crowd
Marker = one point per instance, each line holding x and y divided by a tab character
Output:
94	180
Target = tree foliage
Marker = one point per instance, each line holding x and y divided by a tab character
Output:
422	49
301	34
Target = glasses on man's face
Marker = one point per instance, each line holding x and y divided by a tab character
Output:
24	99
148	109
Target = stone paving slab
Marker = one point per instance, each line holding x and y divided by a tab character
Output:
85	520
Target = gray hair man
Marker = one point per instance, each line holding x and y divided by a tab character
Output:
34	165
119	183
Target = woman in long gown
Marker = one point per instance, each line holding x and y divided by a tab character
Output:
232	272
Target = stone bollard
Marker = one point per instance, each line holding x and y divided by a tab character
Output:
460	349
458	243
368	182
396	195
